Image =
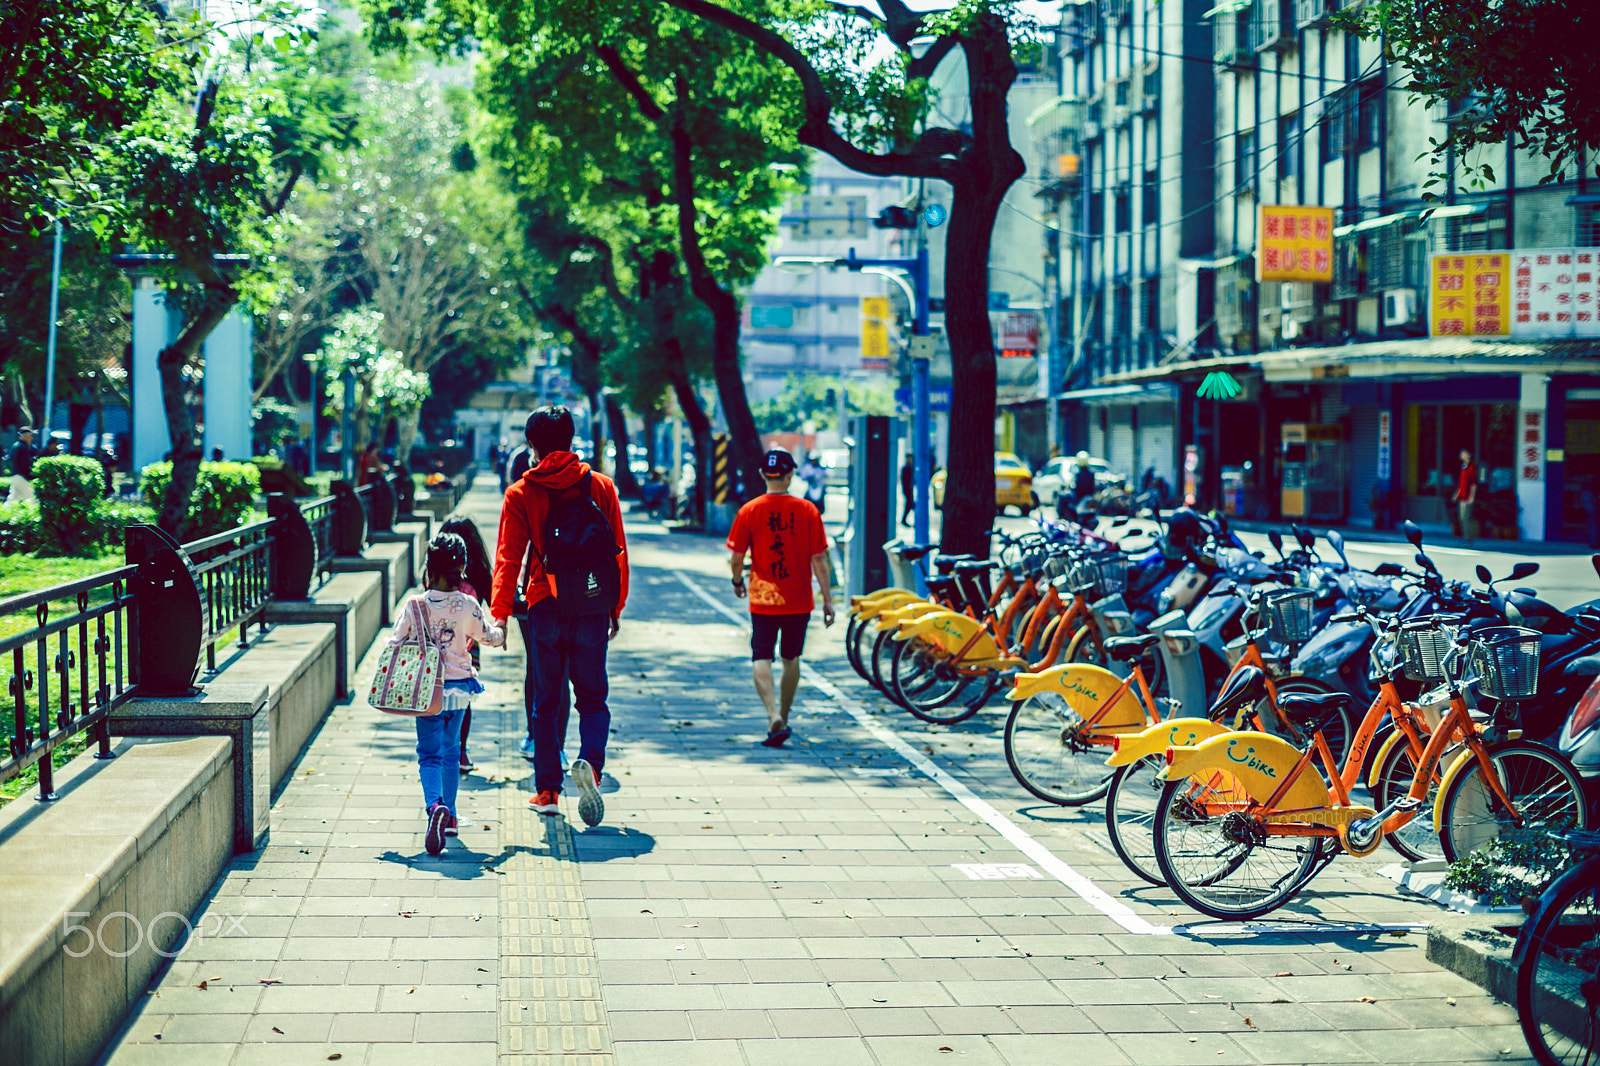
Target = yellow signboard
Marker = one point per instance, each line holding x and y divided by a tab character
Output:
875	327
875	307
1294	243
1471	295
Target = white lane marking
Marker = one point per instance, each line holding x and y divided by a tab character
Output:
1047	860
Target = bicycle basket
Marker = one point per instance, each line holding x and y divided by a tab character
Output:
1082	577
1423	643
1112	573
1057	565
1288	613
1506	660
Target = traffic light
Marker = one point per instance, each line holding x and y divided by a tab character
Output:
896	217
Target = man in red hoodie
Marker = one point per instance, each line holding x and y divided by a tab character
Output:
561	649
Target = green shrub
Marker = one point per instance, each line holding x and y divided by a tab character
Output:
223	494
1513	868
113	518
19	527
69	488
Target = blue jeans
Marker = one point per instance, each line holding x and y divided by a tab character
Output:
439	757
568	650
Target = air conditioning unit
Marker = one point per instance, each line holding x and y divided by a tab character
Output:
1466	110
1399	307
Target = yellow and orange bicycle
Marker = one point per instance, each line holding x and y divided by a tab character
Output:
1245	820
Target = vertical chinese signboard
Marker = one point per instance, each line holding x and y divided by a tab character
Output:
1471	295
1294	243
874	333
1557	292
1385	445
1530	446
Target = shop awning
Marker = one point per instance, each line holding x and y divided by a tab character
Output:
1375	223
1151	393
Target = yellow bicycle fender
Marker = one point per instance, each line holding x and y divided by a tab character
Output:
1260	763
893	619
1177	733
1378	759
954	634
1085	688
882	600
1457	766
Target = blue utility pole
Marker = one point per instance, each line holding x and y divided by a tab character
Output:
921	357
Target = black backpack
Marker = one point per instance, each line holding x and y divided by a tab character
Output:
580	554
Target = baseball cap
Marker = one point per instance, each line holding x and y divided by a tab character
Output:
777	463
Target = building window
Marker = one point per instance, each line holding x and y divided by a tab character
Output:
1152	305
1123	208
1150	196
1588	228
1097	212
1289	135
1369	114
1122	310
1481	232
1244	162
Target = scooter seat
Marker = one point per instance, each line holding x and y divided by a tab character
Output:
1126	649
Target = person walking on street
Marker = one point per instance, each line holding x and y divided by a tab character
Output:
783	536
908	496
453	621
23	453
816	480
1466	494
566	520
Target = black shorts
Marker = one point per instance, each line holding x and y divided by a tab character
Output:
765	630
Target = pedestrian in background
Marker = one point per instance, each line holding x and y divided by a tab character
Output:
783	536
1467	494
908	496
816	480
23	453
452	621
558	502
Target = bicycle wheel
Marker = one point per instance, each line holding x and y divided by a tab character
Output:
1541	783
1050	755
883	649
1131	815
924	683
1415	840
1337	730
1558	972
855	635
1218	859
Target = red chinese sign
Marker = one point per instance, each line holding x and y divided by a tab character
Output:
1294	243
1530	446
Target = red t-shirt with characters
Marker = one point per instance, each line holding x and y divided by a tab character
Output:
780	533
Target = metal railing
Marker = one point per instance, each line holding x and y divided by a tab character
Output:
72	653
234	569
66	672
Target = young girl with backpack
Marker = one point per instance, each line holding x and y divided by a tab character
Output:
475	584
452	620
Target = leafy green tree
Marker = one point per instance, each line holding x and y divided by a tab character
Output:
815	398
1525	69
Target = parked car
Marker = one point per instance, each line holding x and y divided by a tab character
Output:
1054	478
1013	485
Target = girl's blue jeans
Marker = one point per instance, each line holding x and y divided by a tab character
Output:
439	757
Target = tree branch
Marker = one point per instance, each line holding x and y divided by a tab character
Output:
817	130
924	65
630	83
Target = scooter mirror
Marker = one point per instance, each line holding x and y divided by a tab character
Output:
1275	539
1337	540
1305	537
1426	563
1484	576
1414	535
1522	570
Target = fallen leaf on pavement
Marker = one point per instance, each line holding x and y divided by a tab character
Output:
275	1029
201	986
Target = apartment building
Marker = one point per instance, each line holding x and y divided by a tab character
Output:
1191	142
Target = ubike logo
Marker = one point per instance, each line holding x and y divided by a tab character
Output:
1075	685
1250	760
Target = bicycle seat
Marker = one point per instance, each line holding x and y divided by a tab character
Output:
1247	685
1313	711
945	563
1126	649
939	586
974	566
912	552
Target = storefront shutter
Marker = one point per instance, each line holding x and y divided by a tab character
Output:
1119	452
1156	444
1363	452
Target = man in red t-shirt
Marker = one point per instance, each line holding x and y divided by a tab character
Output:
783	536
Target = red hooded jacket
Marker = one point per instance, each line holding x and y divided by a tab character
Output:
522	519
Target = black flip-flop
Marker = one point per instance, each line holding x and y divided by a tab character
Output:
776	739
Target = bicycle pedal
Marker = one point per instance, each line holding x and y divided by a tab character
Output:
1169	703
1407	805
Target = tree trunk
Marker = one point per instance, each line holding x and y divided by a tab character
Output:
180	409
627	484
699	426
743	437
597	430
651	422
410	424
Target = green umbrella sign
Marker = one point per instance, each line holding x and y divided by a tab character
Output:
1219	385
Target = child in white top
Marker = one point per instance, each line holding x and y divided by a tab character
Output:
452	620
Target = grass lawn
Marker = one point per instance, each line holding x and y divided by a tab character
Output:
24	573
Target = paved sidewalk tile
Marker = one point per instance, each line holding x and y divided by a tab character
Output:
751	906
